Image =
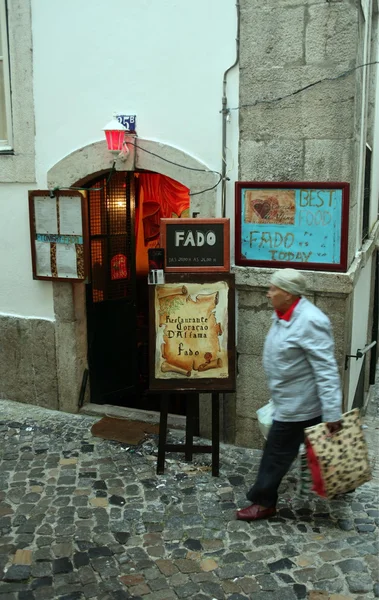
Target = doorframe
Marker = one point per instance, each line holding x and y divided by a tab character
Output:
75	170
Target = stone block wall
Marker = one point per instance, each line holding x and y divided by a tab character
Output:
254	321
28	369
292	135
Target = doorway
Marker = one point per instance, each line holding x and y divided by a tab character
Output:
124	212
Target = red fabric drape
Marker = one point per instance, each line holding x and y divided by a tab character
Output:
161	198
172	196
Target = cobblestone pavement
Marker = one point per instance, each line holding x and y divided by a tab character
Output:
81	517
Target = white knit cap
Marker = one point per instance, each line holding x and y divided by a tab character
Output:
290	281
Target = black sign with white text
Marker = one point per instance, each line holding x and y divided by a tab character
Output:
196	244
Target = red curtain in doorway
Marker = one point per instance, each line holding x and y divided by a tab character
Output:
160	197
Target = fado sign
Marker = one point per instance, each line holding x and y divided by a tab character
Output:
196	244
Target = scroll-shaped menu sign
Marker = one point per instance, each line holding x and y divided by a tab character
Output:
289	224
56	231
192	343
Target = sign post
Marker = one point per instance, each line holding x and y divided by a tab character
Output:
192	350
192	326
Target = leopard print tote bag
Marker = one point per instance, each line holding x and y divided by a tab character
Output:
338	463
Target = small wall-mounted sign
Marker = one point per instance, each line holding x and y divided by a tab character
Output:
128	121
58	224
298	224
196	245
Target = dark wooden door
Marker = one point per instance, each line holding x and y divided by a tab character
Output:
111	292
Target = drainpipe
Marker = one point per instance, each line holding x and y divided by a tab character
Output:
225	113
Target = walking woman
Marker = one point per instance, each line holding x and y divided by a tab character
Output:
304	383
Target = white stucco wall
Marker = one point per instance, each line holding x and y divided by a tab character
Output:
374	202
359	339
163	61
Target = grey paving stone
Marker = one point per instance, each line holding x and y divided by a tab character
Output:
41	582
352	565
268	540
233	557
187	590
62	565
359	584
86	575
41	569
194	519
279	565
330	585
300	591
17	573
267	582
99	552
345	524
214	590
326	571
28	595
280	594
285	577
365	528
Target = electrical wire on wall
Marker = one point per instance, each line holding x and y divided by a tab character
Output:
305	88
183	167
225	112
112	171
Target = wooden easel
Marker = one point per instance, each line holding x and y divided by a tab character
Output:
188	447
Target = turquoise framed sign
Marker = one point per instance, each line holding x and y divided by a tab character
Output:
292	224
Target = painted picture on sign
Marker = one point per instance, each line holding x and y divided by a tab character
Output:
270	206
287	224
191	331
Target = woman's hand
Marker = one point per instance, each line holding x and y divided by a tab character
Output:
334	427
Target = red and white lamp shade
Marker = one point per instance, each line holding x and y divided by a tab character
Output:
115	136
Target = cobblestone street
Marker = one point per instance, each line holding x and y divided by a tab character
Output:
81	517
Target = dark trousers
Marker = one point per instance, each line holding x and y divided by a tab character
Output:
281	449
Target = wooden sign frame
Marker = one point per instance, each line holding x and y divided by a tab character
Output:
201	267
44	244
180	381
292	231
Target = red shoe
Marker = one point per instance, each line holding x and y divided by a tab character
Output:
255	512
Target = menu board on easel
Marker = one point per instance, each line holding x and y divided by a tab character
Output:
192	338
57	226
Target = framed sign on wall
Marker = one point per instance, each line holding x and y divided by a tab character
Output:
192	333
196	245
57	226
292	224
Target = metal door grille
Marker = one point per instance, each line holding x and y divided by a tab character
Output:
112	237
